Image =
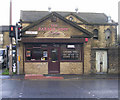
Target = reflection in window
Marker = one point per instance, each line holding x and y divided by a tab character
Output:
95	33
71	53
107	34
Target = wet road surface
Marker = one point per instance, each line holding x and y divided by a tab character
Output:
102	88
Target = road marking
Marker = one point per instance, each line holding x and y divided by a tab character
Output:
21	93
20	96
93	95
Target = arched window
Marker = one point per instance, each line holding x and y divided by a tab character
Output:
95	34
107	34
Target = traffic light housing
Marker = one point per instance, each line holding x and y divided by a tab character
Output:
11	31
19	29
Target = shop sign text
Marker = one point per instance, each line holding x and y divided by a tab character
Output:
53	27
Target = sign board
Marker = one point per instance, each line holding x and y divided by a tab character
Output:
31	32
70	46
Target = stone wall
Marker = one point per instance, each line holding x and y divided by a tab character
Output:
36	68
113	56
71	67
87	57
93	61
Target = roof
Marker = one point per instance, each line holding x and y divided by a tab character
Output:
86	32
98	18
4	28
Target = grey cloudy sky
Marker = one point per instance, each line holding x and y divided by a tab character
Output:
109	7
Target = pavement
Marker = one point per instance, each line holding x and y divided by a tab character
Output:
59	76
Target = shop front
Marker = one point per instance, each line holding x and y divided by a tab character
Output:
54	56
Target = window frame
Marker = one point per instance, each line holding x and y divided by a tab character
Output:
95	34
106	37
33	47
80	52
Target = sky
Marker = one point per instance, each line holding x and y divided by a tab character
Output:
109	7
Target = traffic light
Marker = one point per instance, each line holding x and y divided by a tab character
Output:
11	31
19	29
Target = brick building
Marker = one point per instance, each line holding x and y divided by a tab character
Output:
67	43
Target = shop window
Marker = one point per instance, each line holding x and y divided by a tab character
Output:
107	34
95	34
36	54
71	52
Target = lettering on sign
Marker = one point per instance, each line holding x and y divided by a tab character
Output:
52	27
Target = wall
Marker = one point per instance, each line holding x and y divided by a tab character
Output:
87	57
113	56
36	68
71	67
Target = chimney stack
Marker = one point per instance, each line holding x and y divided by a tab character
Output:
109	20
76	9
49	9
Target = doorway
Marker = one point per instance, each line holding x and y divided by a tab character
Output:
101	61
54	60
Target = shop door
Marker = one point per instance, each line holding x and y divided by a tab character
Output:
101	61
53	62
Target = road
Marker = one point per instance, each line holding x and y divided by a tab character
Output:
102	88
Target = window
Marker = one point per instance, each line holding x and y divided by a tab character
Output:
95	33
36	54
71	18
70	53
107	34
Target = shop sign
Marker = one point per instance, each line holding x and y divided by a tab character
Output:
52	27
70	46
31	32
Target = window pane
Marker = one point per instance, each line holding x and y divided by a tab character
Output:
54	54
70	54
36	54
28	54
95	33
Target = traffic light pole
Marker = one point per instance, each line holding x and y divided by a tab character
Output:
10	57
10	48
17	48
